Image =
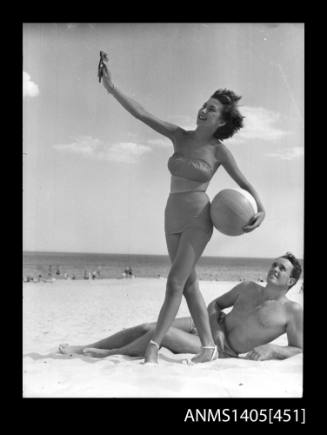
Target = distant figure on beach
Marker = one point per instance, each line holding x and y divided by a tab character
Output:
258	316
188	226
86	274
128	272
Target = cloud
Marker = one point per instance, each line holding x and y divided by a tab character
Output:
259	123
30	89
288	154
161	142
89	147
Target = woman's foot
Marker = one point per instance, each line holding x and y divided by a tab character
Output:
97	353
151	352
207	354
66	349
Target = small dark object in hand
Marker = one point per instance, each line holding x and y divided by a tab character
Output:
103	58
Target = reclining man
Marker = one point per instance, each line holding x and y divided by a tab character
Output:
258	316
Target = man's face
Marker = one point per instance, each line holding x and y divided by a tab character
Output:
280	272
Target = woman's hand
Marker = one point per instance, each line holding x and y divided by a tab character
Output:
106	79
105	74
255	221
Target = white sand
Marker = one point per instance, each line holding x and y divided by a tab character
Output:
79	312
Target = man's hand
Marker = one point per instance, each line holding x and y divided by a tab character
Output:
219	339
261	353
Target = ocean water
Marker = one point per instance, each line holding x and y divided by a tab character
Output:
80	265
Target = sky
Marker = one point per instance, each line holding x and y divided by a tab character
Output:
95	179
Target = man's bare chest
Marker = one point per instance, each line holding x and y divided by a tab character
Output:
268	314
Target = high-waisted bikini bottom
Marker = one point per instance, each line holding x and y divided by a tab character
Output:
187	210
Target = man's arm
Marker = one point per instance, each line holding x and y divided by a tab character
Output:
294	331
272	351
218	335
215	310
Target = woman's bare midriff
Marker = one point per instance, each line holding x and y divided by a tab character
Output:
179	185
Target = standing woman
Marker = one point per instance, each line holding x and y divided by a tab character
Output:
188	226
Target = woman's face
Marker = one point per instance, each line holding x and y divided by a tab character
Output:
210	114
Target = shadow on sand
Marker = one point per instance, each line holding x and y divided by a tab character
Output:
167	357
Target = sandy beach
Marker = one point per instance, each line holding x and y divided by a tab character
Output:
79	312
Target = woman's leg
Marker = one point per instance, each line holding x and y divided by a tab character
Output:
190	247
196	305
191	292
199	313
176	340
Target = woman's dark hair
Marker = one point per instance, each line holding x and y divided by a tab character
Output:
297	269
230	113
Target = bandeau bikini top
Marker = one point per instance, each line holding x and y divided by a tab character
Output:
192	169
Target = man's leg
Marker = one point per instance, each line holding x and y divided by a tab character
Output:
176	340
114	341
124	337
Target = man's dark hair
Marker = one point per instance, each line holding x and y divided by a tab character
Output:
230	113
297	269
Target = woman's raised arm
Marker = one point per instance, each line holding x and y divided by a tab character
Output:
165	128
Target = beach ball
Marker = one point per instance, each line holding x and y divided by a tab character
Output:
230	211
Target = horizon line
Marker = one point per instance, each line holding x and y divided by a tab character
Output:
133	253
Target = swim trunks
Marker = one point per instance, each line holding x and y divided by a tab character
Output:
228	350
